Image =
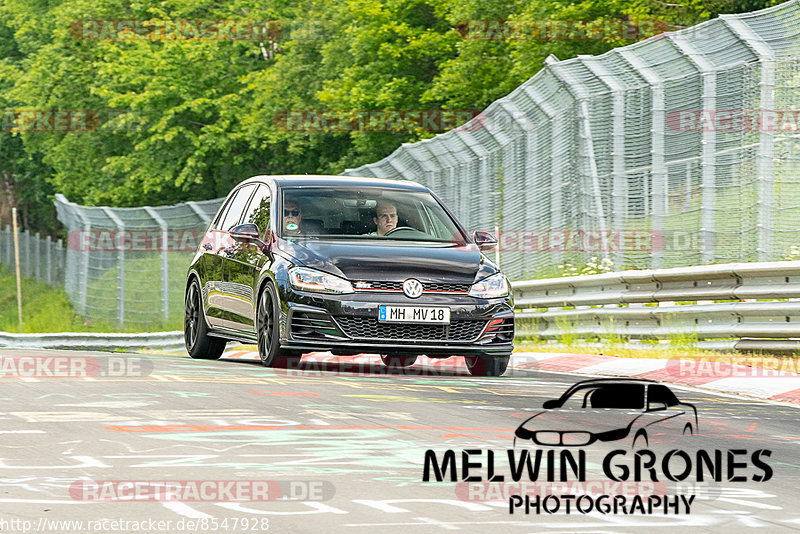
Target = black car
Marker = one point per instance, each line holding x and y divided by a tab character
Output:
610	409
347	265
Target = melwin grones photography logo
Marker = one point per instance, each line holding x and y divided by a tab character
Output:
657	463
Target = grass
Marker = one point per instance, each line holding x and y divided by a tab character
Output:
44	308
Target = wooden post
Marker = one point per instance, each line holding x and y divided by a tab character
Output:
16	261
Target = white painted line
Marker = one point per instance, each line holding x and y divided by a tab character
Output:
537	356
22	432
625	367
761	387
184	509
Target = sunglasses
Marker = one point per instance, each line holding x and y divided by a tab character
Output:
293	213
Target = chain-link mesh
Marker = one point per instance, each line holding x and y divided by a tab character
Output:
39	258
127	266
590	157
636	154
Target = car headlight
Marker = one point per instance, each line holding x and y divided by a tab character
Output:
317	281
491	287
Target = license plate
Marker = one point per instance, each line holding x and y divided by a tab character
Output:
413	314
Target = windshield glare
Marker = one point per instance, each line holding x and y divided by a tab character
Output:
366	213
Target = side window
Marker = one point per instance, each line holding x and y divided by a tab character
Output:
226	207
234	212
663	394
258	211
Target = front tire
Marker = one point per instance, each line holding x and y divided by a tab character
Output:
487	365
269	343
199	344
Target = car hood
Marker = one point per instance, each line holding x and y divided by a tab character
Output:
395	262
594	421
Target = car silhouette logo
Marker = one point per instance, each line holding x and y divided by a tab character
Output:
412	288
609	409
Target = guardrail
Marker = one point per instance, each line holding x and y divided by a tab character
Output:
91	341
743	306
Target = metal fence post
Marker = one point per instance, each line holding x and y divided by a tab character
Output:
38	260
9	248
658	173
121	260
164	260
49	250
766	138
61	260
27	269
83	280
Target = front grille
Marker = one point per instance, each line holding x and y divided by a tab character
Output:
387	286
447	287
575	439
398	286
370	328
310	325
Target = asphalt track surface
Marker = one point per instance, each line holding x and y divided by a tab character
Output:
339	447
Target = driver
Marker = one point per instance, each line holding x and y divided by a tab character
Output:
385	218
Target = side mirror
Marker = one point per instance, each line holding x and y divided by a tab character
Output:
245	232
549	405
484	240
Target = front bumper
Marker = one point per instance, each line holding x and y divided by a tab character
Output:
348	324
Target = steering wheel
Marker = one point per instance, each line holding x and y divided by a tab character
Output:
399	229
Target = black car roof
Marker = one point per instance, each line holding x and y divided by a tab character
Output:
311	180
609	381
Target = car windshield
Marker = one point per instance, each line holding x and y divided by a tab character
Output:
618	396
366	213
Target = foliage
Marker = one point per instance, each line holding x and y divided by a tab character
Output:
188	118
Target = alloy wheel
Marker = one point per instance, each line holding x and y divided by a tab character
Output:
191	317
266	319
